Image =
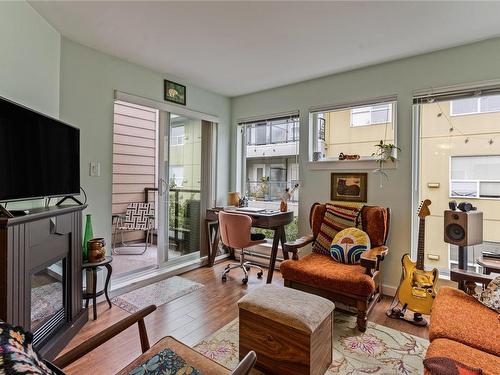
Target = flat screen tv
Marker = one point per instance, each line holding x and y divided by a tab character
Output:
39	155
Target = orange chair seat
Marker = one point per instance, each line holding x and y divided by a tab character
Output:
321	271
460	317
471	357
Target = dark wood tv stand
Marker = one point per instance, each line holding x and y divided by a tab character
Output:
41	256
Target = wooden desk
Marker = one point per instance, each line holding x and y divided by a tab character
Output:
275	221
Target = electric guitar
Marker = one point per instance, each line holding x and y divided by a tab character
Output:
417	288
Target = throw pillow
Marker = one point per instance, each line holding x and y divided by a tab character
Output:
348	245
17	355
490	296
336	218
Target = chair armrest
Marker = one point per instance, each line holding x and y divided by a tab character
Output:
294	246
103	336
371	258
115	218
463	275
246	364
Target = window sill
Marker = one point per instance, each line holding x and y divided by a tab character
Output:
361	164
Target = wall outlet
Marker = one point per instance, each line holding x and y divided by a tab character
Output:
95	169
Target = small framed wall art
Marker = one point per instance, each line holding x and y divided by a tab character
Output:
350	187
174	92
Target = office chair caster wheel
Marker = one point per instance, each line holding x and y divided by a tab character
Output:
245	280
224	279
260	274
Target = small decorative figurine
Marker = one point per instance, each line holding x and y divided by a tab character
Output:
287	195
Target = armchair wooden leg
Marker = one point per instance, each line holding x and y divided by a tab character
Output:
362	320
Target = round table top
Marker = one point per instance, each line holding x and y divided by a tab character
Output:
106	260
489	262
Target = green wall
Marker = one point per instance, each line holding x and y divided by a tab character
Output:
88	81
470	63
29	62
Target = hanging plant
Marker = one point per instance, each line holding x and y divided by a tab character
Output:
385	152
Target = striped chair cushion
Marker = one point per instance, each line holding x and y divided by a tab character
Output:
337	217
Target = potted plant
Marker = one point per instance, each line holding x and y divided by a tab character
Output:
385	152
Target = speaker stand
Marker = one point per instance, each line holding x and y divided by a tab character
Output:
463	262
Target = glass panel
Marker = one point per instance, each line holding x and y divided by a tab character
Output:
47	294
464	189
260	133
490	103
464	106
475	167
351	131
279	133
489	189
184	184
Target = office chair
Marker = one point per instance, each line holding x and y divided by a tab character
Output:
235	232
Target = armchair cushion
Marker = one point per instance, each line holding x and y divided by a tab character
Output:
336	218
375	222
321	271
451	318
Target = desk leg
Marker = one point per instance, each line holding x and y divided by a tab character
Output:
283	241
215	245
94	296
106	284
274	252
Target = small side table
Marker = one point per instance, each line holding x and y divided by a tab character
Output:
489	265
106	262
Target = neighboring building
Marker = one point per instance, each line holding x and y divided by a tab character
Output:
272	149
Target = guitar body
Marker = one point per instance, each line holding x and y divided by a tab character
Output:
417	289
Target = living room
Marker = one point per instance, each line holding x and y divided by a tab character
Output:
236	112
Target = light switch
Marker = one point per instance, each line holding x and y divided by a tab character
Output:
95	169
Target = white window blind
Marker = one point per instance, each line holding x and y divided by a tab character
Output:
475	176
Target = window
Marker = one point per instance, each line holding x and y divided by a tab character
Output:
352	130
475	105
372	115
475	176
177	135
176	176
269	164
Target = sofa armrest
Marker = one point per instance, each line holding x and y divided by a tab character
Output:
294	246
371	258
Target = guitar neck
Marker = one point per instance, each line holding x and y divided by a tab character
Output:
421	244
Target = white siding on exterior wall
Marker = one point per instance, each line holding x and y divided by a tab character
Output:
134	155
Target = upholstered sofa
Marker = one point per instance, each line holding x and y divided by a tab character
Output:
464	330
356	285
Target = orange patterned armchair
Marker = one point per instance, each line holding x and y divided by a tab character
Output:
356	285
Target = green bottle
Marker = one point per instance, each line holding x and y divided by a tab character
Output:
87	237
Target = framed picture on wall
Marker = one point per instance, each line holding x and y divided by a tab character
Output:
174	92
350	187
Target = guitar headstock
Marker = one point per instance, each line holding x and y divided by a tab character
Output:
423	209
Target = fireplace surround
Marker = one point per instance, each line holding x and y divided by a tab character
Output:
41	275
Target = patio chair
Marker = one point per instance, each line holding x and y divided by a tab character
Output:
139	216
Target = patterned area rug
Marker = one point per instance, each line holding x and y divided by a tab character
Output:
156	294
380	350
46	300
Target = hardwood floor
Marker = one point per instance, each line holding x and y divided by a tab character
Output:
189	319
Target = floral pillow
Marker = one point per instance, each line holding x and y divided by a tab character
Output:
17	355
348	245
490	297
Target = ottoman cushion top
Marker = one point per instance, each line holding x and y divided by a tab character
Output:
293	308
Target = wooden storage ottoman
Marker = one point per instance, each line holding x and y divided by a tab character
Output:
291	331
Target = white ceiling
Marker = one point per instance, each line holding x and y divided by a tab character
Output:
234	48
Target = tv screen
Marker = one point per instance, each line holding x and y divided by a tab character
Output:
39	155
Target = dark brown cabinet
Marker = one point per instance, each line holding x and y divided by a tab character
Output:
41	275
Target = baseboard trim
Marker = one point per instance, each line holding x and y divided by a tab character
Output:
389	290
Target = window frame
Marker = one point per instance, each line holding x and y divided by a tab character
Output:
478	107
370	111
478	182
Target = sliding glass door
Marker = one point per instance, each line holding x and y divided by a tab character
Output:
179	188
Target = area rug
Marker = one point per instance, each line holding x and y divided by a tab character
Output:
380	350
46	300
156	294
